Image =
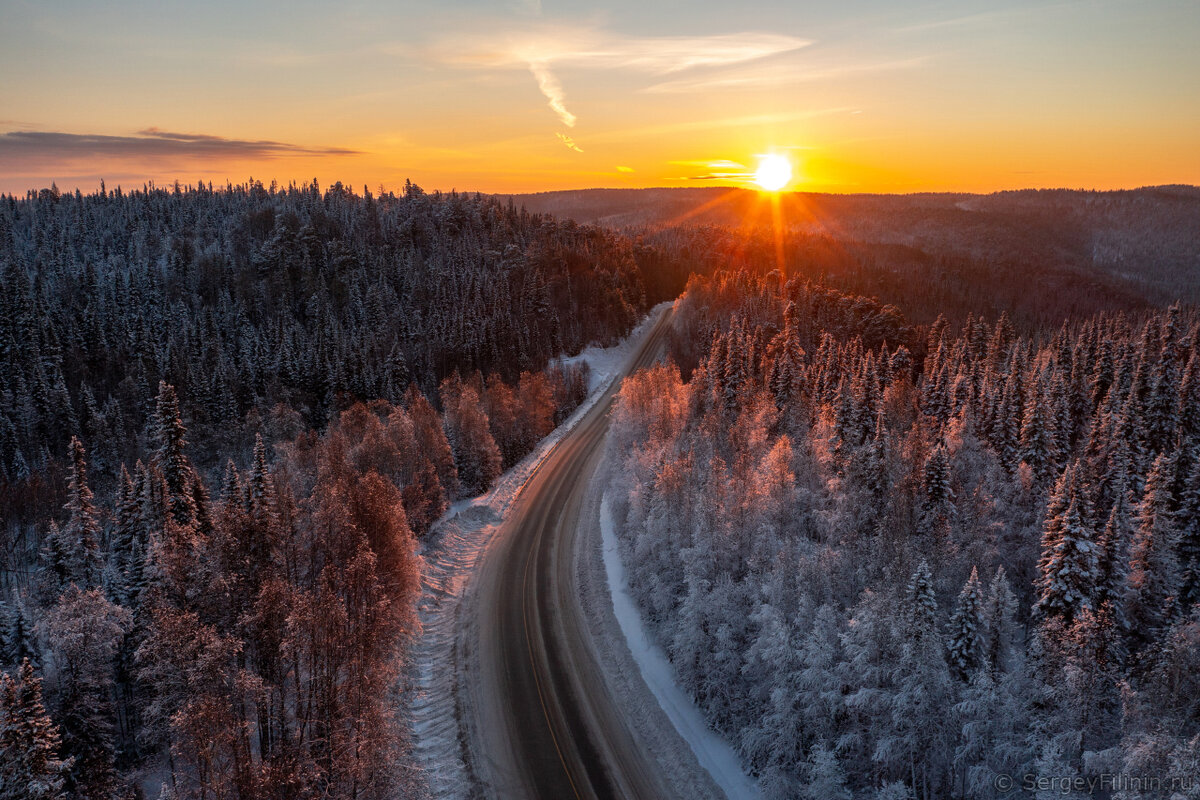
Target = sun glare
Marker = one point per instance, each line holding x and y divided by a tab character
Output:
774	172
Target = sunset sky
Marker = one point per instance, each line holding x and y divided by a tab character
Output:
875	95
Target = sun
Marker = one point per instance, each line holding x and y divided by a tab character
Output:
774	172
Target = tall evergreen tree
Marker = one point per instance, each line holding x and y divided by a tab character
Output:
30	768
81	536
965	649
1069	567
171	459
1153	571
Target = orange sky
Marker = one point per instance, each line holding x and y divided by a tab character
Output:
861	95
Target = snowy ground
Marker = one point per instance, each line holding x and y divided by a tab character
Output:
713	753
449	559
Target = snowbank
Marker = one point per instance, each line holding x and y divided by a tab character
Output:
713	752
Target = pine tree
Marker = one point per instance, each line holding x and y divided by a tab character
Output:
30	768
85	631
965	649
476	456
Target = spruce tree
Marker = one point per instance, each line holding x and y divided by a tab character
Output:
921	600
81	536
123	540
965	649
937	504
999	612
171	460
1188	519
30	768
1069	568
1153	581
1038	448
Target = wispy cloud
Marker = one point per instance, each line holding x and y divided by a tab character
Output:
553	91
588	47
569	142
148	143
992	17
548	49
780	75
624	169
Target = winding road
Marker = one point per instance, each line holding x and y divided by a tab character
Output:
540	721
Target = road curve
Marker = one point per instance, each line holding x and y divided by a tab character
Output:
538	718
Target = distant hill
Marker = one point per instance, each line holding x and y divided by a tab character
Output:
1148	236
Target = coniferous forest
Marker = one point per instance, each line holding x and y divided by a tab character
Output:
894	545
226	417
920	561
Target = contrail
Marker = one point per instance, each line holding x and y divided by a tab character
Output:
553	91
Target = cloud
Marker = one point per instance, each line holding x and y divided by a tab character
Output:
548	49
148	143
783	75
624	169
585	47
569	142
553	91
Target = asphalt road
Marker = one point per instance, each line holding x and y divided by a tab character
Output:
544	723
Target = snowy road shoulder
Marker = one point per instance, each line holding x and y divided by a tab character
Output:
714	754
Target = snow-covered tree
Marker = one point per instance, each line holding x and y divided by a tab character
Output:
1069	568
965	648
81	535
30	767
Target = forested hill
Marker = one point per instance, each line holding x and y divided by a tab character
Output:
248	297
1142	242
226	419
900	562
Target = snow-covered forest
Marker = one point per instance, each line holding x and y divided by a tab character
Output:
895	561
887	555
226	417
